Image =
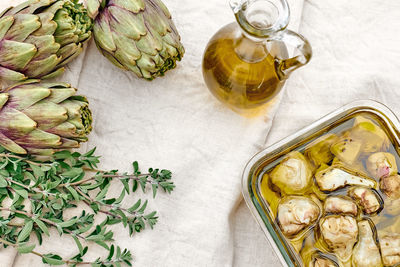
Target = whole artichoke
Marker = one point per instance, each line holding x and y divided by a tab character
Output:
39	37
39	118
136	35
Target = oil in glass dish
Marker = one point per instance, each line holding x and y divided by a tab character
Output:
361	147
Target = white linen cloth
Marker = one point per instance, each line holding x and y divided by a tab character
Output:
356	55
175	123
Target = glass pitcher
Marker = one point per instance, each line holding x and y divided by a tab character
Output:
246	63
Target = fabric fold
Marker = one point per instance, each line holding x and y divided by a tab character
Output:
173	122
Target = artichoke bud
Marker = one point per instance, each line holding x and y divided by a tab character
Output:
40	37
136	35
41	119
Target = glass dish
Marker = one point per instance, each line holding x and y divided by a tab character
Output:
267	159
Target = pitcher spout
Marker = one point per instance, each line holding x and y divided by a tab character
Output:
261	18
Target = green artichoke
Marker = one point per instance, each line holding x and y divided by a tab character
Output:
136	35
39	37
40	119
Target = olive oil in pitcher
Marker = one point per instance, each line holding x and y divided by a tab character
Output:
240	72
245	64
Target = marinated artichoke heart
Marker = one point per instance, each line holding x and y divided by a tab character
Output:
293	174
340	205
390	249
340	234
323	262
373	137
391	186
318	152
332	178
381	164
367	198
366	252
295	213
346	149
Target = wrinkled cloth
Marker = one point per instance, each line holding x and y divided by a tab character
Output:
173	122
356	55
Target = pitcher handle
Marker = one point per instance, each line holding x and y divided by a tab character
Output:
297	41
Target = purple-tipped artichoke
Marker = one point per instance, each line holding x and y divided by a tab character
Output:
40	119
39	37
136	35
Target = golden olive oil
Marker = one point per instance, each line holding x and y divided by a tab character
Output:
240	71
386	221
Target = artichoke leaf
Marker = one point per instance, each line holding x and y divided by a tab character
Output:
58	95
103	34
40	139
68	143
3	99
16	55
127	48
160	6
53	6
127	23
158	22
10	145
54	74
48	25
23	26
147	63
68	50
45	44
78	50
5	24
29	7
15	124
114	60
93	7
47	114
22	98
134	6
67	38
150	44
38	67
10	75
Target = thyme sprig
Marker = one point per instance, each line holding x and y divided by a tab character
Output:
62	182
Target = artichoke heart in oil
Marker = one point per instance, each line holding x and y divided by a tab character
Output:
335	196
293	174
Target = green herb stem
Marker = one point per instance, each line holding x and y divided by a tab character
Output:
30	215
